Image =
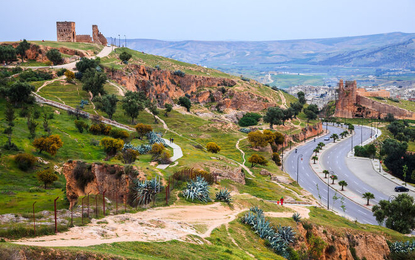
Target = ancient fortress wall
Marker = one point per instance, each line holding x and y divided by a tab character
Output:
381	109
84	38
65	31
380	93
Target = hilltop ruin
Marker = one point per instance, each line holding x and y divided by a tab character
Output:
66	33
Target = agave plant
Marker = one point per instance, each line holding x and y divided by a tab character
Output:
198	190
257	210
145	191
402	247
224	195
297	217
287	234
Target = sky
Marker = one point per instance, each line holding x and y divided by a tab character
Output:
212	20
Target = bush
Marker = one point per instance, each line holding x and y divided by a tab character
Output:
61	72
119	134
25	161
179	73
368	151
124	56
69	76
245	130
54	56
157	149
81	125
212	147
197	190
100	129
188	174
83	175
247	121
47	176
276	158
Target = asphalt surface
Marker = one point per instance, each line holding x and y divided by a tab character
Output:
310	181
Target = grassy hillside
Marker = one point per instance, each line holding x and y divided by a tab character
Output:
95	48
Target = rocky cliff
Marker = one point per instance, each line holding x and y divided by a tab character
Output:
164	86
95	178
343	243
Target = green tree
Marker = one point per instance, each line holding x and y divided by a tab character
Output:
297	108
81	125
10	117
22	48
107	104
168	109
321	145
31	126
316	151
84	64
288	114
257	159
301	97
7	53
46	127
399	213
314	158
343	184
276	158
133	103
152	106
335	137
54	56
368	196
326	172
404	170
274	116
351	128
94	81
396	127
19	92
257	139
124	56
185	102
47	177
333	177
50	144
390	117
311	112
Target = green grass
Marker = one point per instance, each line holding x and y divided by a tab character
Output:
95	48
33	63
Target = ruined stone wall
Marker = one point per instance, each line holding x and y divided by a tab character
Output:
377	109
380	93
84	38
97	36
66	31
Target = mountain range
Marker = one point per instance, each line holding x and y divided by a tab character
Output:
387	51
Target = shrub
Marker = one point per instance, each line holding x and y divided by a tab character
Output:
368	150
185	102
257	159
245	130
54	56
61	72
69	76
249	119
100	129
145	192
143	129
179	73
157	149
124	56
276	158
212	147
120	134
197	190
189	174
81	125
154	137
111	145
50	144
78	75
25	161
83	175
224	195
129	156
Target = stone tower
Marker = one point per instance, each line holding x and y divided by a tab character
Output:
66	31
98	37
345	105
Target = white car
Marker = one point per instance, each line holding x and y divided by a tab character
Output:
326	138
108	45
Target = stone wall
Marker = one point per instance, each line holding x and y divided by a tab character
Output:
97	36
345	105
375	109
65	31
84	38
380	93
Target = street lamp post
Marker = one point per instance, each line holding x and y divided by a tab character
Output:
125	41
298	160
328	190
119	40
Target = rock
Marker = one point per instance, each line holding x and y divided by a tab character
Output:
234	117
264	172
281	179
57	112
223	171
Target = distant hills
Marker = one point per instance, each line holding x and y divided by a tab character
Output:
387	51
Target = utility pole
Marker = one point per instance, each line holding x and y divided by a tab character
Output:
125	41
298	157
56	220
119	40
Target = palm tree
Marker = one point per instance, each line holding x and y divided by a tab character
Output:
333	178
344	134
343	184
316	150
335	137
321	145
351	128
368	196
326	172
315	158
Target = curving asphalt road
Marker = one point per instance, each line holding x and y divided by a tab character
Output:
309	180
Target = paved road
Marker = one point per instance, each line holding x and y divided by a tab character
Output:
334	159
309	180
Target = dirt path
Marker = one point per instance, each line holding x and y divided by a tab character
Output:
283	100
48	82
120	90
243	157
159	224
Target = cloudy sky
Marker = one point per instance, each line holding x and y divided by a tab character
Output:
208	20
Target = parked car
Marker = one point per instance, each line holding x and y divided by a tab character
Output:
326	138
401	189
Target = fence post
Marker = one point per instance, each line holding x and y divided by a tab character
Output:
82	215
88	205
72	216
96	205
103	201
34	218
116	200
56	221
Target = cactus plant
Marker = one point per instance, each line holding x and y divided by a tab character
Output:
145	191
256	210
287	234
224	195
198	190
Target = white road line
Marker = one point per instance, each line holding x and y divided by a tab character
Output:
362	212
